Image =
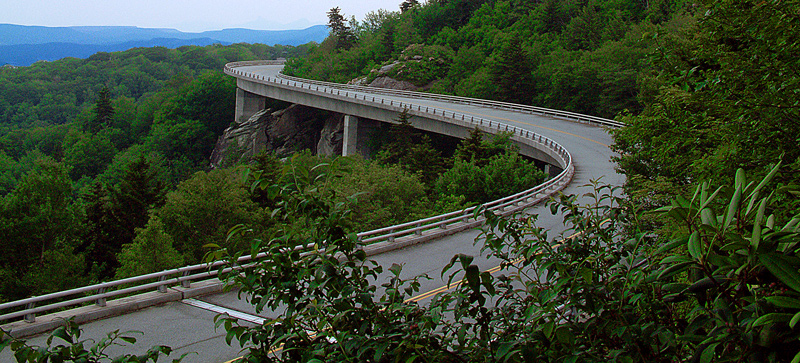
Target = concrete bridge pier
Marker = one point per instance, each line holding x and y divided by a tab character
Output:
350	139
358	132
247	104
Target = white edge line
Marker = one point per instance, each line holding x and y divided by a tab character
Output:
221	310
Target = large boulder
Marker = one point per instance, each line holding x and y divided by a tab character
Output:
283	132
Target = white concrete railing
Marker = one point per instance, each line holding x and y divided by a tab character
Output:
406	232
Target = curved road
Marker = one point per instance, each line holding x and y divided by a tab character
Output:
188	328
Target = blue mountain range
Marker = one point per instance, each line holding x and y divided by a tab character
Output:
22	45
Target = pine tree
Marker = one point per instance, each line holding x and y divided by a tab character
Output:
513	74
137	193
103	113
113	214
98	230
345	39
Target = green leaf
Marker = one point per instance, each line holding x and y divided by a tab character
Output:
504	348
782	269
755	240
547	329
766	178
733	206
396	269
795	319
564	335
796	358
695	246
379	351
61	332
708	354
783	302
772	318
671	245
674	269
587	273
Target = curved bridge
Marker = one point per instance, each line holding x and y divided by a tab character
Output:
575	144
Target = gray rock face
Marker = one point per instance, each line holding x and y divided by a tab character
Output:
282	132
388	82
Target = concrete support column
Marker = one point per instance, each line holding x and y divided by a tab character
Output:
350	138
247	104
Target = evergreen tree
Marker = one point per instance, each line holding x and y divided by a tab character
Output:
401	138
113	215
476	150
98	230
412	150
345	39
137	193
103	112
513	73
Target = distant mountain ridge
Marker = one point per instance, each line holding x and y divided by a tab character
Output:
22	45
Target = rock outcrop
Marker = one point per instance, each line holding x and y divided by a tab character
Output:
283	132
430	61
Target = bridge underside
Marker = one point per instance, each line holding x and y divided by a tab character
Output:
250	98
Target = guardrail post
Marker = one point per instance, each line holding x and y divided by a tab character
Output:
162	288
391	236
185	283
419	231
30	318
101	301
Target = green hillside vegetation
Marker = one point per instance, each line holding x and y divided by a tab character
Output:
90	147
580	56
122	170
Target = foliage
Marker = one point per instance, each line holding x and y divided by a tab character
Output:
103	112
380	195
64	345
204	207
36	217
737	264
513	73
151	251
721	289
114	214
412	150
586	57
722	97
486	170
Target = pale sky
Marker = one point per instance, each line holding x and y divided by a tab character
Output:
185	15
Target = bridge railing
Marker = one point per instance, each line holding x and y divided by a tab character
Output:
375	240
468	101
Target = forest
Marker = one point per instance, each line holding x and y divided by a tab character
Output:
694	259
106	168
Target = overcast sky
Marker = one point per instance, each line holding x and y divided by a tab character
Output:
185	15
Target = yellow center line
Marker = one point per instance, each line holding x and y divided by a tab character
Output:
527	123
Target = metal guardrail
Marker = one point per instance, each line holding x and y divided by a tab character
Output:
572	116
184	276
